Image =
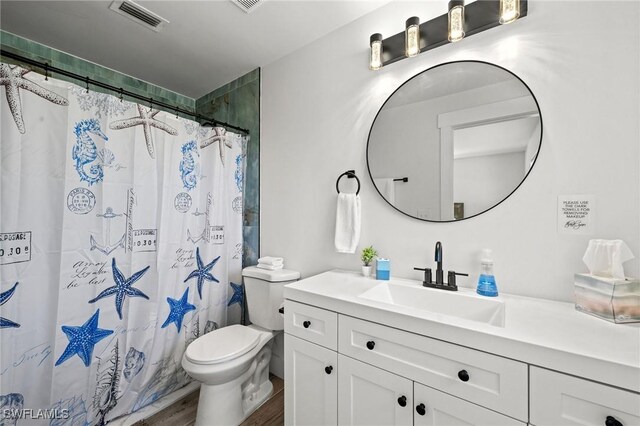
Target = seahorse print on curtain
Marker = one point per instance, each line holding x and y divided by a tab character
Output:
85	152
189	168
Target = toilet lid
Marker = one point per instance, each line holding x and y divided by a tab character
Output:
222	344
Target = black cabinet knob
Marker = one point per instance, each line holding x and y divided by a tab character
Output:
421	409
402	401
463	375
328	369
611	421
371	344
306	324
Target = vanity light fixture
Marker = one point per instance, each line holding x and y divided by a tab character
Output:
456	20
509	11
459	21
412	37
375	41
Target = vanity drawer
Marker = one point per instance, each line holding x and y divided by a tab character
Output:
484	379
558	399
313	324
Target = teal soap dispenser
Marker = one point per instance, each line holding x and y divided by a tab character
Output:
487	281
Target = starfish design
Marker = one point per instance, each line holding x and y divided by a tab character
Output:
147	121
202	273
82	339
238	295
12	77
178	309
218	135
4	297
124	287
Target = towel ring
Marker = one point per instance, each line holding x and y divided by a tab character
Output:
350	174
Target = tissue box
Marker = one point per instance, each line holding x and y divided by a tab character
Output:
610	299
383	269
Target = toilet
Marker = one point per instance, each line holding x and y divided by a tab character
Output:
232	363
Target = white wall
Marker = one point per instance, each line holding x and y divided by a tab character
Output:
582	65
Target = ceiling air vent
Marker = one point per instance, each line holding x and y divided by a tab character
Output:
247	5
139	14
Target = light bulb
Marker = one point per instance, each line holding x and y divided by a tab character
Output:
456	20
375	41
509	11
412	37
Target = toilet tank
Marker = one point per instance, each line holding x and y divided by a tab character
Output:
265	295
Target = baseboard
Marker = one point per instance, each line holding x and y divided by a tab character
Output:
155	407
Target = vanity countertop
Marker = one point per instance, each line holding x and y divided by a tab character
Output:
536	331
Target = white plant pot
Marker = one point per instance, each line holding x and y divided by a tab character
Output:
366	271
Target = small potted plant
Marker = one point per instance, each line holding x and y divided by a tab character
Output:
368	254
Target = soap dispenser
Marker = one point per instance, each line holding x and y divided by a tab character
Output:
487	281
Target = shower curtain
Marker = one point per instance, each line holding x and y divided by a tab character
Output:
120	243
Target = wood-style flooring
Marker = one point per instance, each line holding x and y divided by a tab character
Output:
183	412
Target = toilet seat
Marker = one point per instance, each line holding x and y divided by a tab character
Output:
222	344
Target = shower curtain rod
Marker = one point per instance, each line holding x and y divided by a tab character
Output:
51	69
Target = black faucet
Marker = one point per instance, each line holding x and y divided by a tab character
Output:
438	259
439	282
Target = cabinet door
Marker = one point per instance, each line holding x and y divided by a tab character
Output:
561	400
370	396
311	384
435	408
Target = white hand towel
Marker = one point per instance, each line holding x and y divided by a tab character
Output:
347	223
387	188
270	260
269	267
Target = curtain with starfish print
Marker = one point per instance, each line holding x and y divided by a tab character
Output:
120	243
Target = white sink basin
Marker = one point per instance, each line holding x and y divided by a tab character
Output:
458	304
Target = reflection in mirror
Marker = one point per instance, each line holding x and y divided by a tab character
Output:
464	134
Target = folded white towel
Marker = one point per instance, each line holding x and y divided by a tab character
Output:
269	267
273	261
347	223
387	188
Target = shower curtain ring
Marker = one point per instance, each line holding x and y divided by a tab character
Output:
150	103
176	112
46	72
87	81
121	94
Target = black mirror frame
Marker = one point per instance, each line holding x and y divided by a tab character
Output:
508	195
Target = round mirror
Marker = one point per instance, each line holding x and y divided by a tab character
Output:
454	141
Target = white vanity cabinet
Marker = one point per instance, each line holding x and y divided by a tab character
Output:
342	370
349	371
391	342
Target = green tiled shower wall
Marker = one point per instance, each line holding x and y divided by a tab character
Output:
56	58
238	103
